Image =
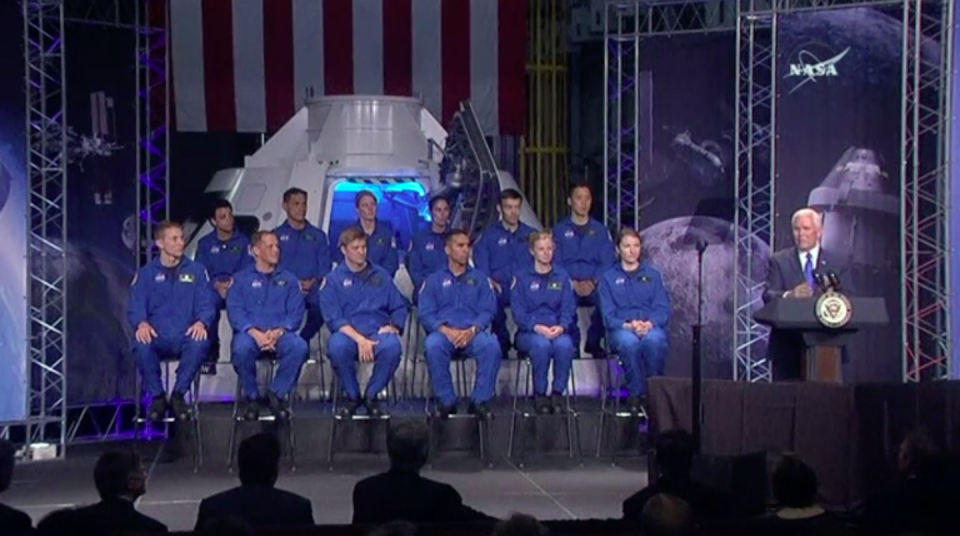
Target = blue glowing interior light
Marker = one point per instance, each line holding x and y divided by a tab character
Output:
404	203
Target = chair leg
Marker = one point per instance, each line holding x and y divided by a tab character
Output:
335	421
516	409
197	436
234	423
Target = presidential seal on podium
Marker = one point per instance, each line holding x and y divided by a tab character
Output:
833	309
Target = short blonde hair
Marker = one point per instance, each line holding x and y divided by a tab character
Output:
537	236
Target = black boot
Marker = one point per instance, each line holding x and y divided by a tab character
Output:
541	404
181	411
373	408
442	411
558	402
158	408
252	411
280	407
481	410
348	407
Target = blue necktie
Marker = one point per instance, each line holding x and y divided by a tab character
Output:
808	271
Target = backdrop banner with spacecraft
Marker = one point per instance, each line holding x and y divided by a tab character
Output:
13	218
838	129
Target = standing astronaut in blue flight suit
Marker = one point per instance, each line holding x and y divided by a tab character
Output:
636	310
365	313
543	307
305	251
585	251
265	306
428	248
223	252
501	252
381	244
457	305
171	310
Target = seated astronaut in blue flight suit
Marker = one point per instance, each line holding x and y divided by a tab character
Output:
457	305
381	244
223	252
501	252
636	310
305	251
265	306
585	251
428	248
543	307
171	310
365	313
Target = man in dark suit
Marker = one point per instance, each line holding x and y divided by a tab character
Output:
13	521
791	273
120	480
256	501
402	494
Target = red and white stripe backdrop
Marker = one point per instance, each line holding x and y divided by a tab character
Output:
245	65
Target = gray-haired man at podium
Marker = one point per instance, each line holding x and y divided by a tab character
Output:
792	273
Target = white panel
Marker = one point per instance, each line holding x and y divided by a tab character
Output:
307	49
368	47
484	61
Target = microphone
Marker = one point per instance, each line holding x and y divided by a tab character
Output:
822	280
834	280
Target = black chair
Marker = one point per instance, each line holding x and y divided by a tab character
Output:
143	424
238	417
614	411
389	393
523	411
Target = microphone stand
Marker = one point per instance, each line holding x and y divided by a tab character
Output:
696	360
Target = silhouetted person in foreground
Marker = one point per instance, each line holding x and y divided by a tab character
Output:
226	526
256	501
72	521
795	488
674	452
666	515
395	528
13	521
520	525
924	498
401	493
121	480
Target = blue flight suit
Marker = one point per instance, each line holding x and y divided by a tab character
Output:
366	300
585	252
222	259
428	254
502	254
171	300
459	302
306	253
546	299
381	248
637	295
265	302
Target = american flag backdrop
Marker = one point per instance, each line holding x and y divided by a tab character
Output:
245	65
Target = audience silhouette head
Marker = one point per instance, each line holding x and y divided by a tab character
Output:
259	460
675	453
408	446
119	474
918	455
520	525
7	454
666	515
794	483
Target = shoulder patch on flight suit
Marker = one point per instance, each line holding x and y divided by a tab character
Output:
187	278
376	280
554	285
281	282
644	278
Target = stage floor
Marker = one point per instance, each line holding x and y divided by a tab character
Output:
551	490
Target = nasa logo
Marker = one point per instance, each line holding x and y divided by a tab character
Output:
447	283
160	278
215	249
809	67
502	241
568	234
834	310
429	246
620	280
284	238
348	282
256	283
535	286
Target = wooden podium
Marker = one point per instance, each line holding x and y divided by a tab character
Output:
825	324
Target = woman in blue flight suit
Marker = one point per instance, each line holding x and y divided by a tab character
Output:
543	304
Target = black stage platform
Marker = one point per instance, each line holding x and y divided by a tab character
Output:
550	486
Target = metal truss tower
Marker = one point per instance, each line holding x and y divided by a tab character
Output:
627	106
755	182
925	192
46	125
153	121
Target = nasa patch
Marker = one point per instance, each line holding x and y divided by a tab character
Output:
447	282
568	234
429	246
535	285
160	278
348	282
215	249
502	241
621	280
284	238
256	283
